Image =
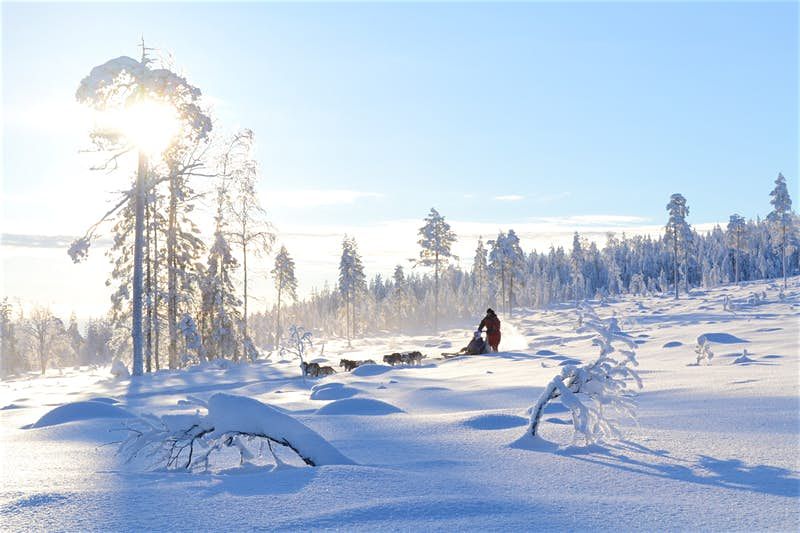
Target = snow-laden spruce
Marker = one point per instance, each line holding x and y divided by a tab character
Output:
285	282
783	220
596	394
352	281
435	240
188	442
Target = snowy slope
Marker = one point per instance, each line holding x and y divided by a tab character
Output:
438	447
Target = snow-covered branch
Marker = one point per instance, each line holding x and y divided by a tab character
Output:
596	394
188	442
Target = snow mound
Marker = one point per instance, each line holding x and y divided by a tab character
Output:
358	406
333	391
80	411
672	344
370	370
721	338
495	421
12	406
231	414
545	352
104	399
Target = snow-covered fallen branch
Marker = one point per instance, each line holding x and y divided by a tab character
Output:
188	442
596	393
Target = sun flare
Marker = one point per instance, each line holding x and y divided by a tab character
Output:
149	125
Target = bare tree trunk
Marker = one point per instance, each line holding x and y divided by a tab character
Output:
436	295
783	252
510	294
156	299
347	313
354	315
149	294
502	284
136	325
172	274
675	250
244	266
278	314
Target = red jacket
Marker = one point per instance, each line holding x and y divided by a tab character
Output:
491	323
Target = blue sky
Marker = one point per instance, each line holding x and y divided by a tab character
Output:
369	114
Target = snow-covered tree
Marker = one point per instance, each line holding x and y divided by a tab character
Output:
597	393
506	264
285	285
10	356
480	276
736	233
577	261
75	339
248	229
150	101
677	232
221	315
45	333
352	282
436	240
782	219
192	339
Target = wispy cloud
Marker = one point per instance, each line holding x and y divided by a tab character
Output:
303	198
509	198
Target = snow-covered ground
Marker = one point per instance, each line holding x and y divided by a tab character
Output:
438	447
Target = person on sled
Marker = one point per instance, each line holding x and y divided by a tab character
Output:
492	325
477	346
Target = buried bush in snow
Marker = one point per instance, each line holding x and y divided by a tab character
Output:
188	442
703	351
597	393
744	358
119	370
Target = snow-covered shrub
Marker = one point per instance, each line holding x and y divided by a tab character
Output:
744	358
188	442
119	370
703	351
597	393
757	298
298	343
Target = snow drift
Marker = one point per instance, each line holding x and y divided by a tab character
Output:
188	441
72	412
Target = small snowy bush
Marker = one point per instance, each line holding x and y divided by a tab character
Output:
597	393
298	343
189	442
744	358
119	370
703	351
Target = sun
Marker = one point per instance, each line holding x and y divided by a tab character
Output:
149	125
